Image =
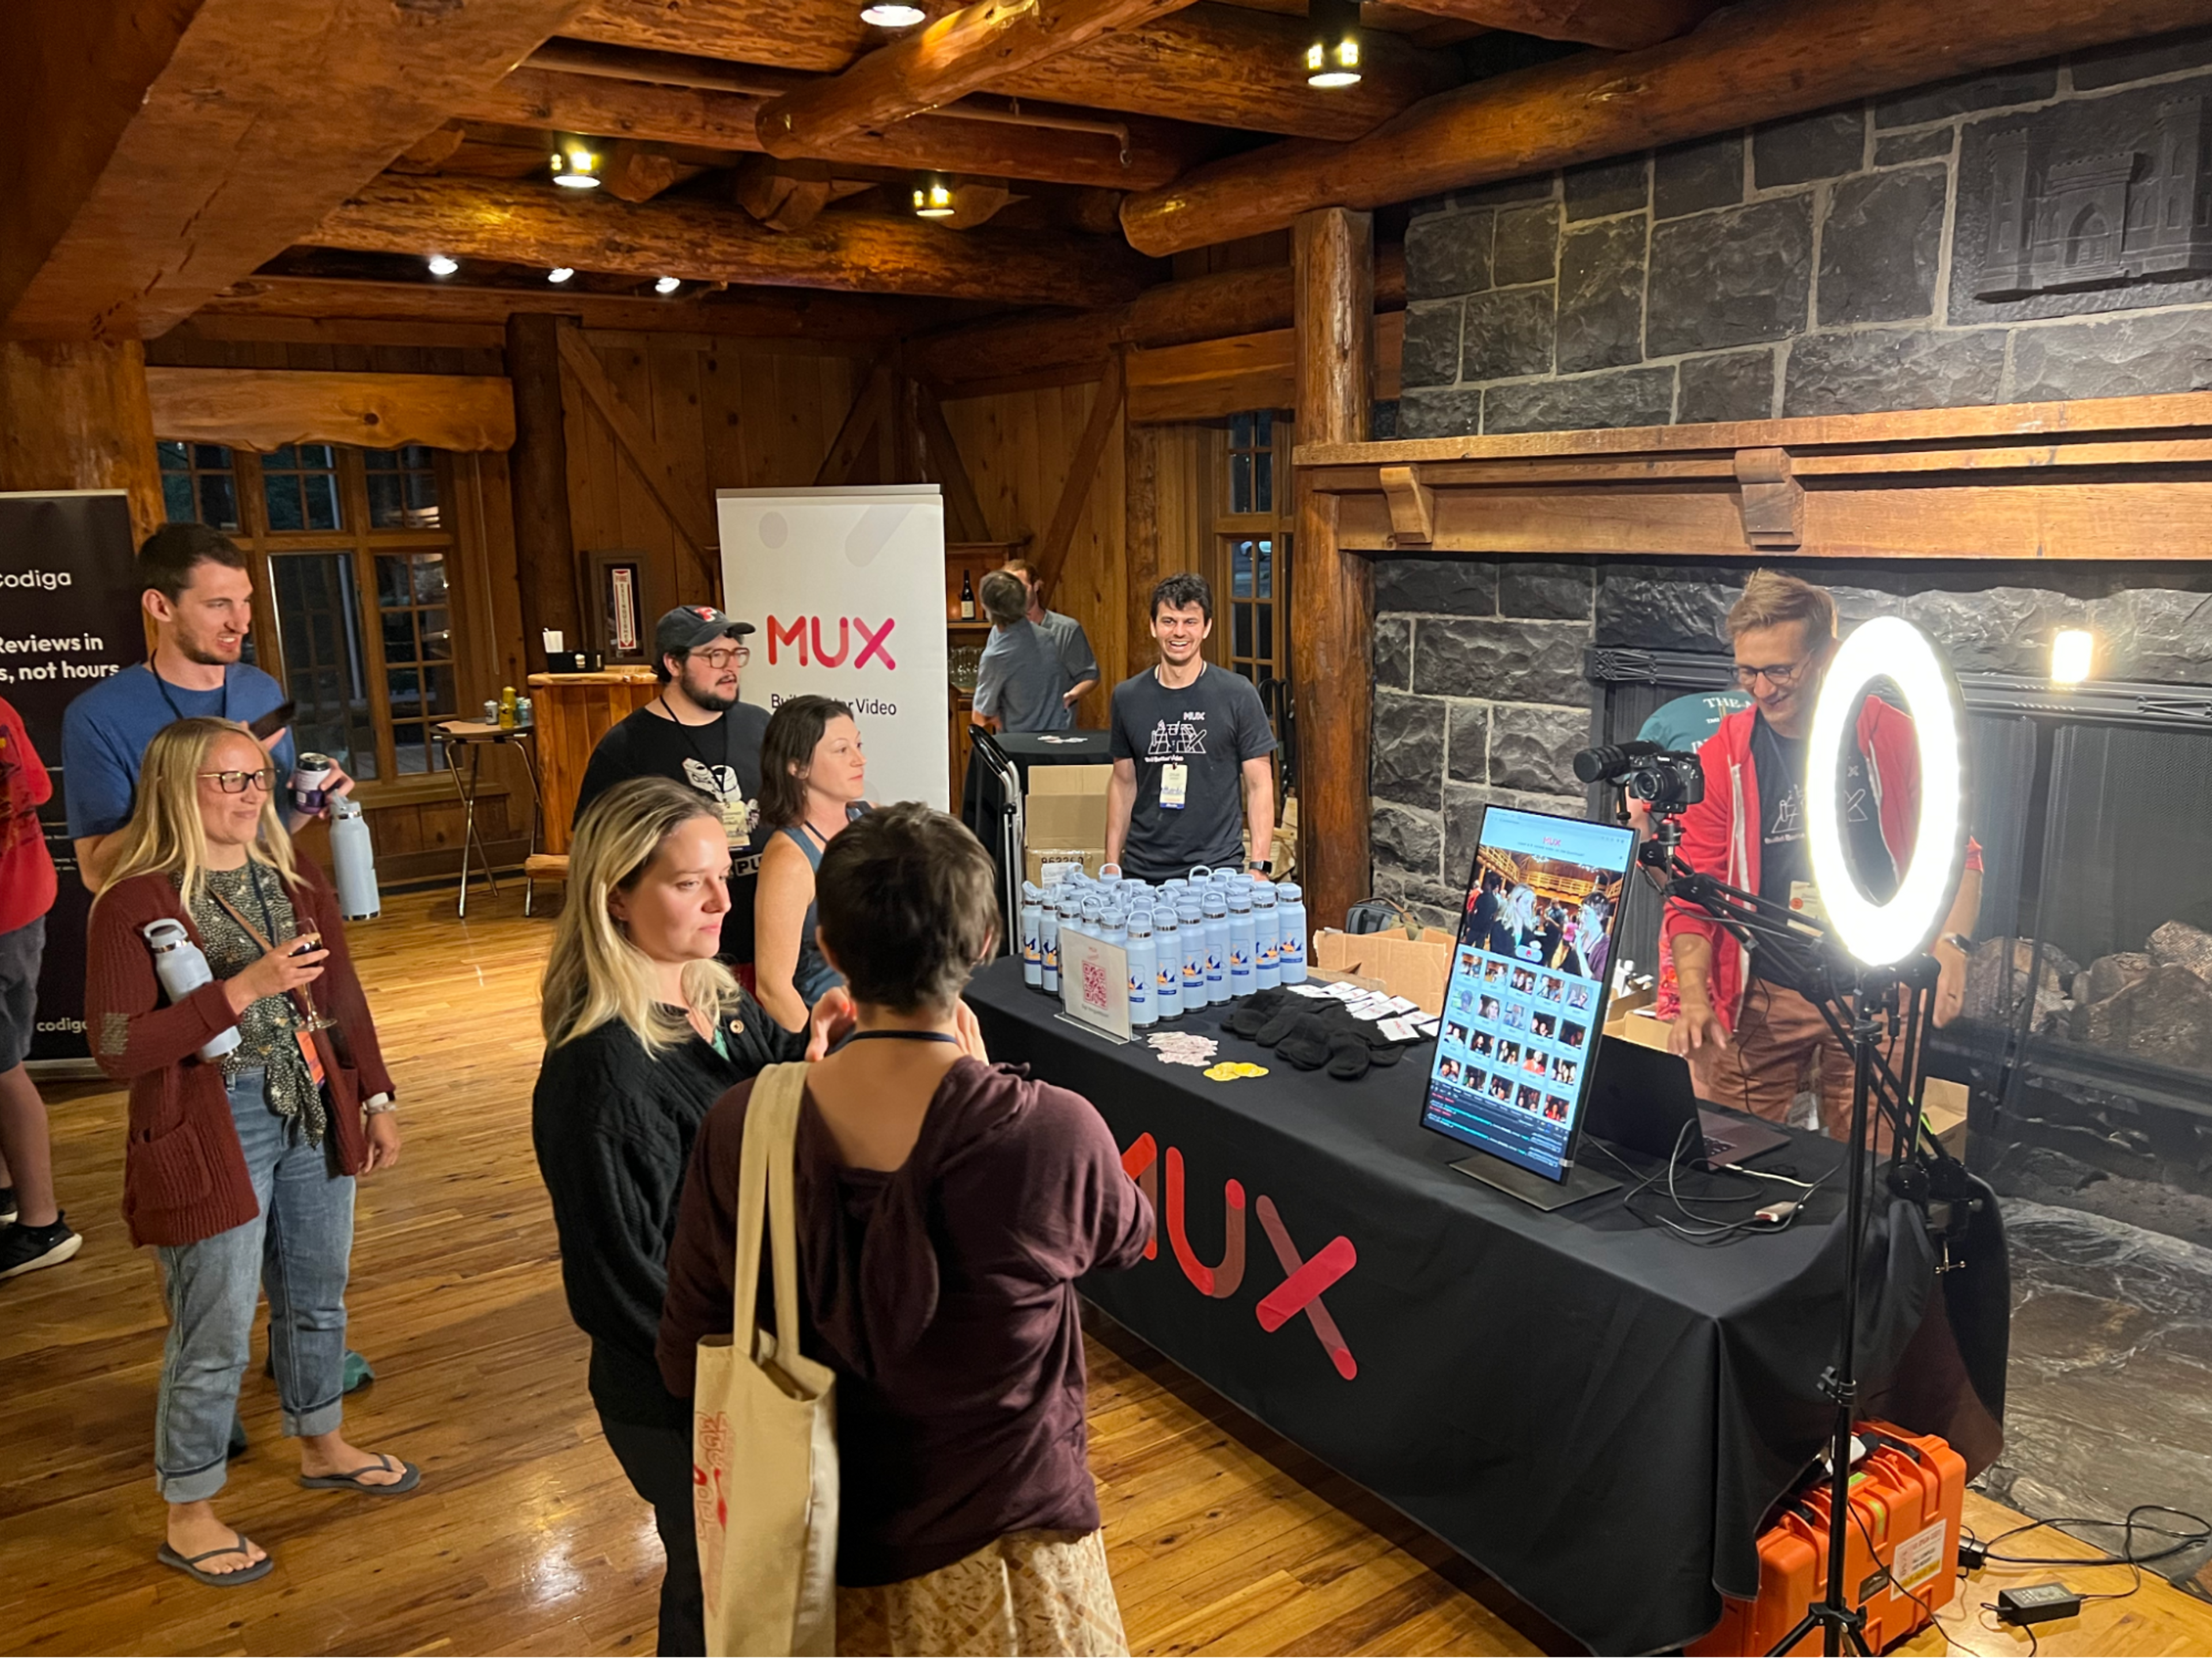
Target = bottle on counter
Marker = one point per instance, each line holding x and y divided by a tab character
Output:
1200	874
1048	919
523	715
967	597
1114	925
1266	937
1109	876
1190	926
1167	957
1090	916
353	861
1142	965
180	967
506	708
1032	936
1240	944
1216	905
1291	919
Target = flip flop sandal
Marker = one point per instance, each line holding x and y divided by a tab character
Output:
220	1580
407	1481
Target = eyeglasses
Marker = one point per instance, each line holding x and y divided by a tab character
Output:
1781	674
739	654
237	782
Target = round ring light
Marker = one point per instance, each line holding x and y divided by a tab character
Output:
1887	647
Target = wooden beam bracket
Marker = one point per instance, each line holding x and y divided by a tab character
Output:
1413	506
1773	500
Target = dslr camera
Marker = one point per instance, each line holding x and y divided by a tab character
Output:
1667	780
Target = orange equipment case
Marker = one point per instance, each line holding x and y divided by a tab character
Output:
1908	1491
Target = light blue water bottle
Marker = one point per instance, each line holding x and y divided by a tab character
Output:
1109	877
1032	936
182	969
1190	924
1049	914
1240	944
1139	934
1167	971
1216	904
1090	919
1291	922
1266	939
1199	875
1114	925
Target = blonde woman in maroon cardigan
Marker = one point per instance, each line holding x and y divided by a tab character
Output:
239	1170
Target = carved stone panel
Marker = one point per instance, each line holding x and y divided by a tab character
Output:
2099	204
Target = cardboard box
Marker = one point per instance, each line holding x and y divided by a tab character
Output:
1943	1107
1416	969
1064	818
1637	1025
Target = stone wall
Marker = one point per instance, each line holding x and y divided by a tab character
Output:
2039	233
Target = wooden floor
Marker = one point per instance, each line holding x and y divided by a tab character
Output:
525	1538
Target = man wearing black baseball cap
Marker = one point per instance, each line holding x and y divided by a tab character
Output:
699	733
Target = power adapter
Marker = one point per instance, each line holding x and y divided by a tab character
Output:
2037	1603
1973	1554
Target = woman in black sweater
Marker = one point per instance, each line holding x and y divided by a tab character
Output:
644	1030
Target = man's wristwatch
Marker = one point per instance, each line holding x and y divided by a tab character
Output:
1263	865
1958	941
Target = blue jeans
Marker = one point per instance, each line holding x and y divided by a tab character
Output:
298	1249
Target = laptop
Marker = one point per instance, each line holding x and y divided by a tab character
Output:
1641	1097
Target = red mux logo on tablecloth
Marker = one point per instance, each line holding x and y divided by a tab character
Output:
1304	1280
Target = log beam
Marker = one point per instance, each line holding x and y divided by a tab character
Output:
74	415
1616	25
1332	621
265	408
526	224
950	56
568	86
537	474
256	121
1758	62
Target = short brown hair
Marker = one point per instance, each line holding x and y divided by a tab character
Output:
1180	591
787	749
1005	597
905	898
1771	598
167	558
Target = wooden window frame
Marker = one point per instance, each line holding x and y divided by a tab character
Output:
1225	528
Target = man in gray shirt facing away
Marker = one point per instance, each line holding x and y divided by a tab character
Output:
1065	632
1020	683
1188	737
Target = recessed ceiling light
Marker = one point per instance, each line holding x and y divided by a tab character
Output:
668	285
576	166
560	273
1332	46
890	15
933	198
442	266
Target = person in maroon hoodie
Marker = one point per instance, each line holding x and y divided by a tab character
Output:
1747	1023
946	1206
240	1166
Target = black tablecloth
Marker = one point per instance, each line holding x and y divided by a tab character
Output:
1594	1411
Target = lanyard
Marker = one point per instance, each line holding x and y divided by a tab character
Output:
179	713
899	1036
729	764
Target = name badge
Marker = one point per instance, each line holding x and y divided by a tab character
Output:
1174	785
735	829
1805	900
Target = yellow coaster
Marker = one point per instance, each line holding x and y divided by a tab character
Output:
1230	1070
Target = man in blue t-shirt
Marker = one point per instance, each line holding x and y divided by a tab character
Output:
193	584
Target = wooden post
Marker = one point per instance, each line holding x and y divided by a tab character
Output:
73	415
1332	593
545	543
1143	536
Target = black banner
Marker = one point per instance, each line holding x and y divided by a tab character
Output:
69	616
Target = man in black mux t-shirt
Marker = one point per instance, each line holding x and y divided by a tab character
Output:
698	733
1186	737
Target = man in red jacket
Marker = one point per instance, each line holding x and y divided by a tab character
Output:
1746	1025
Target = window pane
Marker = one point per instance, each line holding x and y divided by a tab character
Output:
1240	646
435	628
422	501
1264	564
173	458
392	584
429	578
384	498
411	748
404	687
1240	484
1264	619
1239	570
1265	436
321	455
177	497
322	490
218	501
1263	486
418	457
282	491
1240	431
438	688
315	602
211	458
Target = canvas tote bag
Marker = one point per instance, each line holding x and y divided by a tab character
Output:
763	1423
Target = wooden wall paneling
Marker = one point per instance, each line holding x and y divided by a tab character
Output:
690	519
543	481
1082	472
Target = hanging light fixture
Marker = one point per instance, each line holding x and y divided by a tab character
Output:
932	197
560	273
1332	44
442	266
576	164
892	15
2072	651
668	284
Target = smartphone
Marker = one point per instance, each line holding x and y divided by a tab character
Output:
268	725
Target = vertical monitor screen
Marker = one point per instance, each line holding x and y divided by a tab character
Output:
1526	998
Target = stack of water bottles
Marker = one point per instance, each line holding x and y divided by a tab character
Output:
1193	941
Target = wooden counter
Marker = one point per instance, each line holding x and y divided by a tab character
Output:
572	711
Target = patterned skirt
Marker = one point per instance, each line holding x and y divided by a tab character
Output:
1029	1594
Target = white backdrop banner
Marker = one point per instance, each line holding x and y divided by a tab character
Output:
847	588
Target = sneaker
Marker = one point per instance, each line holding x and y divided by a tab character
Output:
8	1210
26	1249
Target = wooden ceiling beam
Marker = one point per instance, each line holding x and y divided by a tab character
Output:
951	56
1214	64
529	224
608	92
1760	61
769	314
259	119
1616	25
